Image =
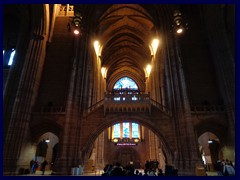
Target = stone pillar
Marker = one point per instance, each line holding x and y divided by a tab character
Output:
100	152
224	61
152	145
68	144
187	150
22	79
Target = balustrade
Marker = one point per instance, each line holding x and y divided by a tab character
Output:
207	108
52	109
128	102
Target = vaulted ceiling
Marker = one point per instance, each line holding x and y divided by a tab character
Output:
125	33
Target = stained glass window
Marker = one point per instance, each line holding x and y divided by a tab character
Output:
116	130
125	82
125	130
134	130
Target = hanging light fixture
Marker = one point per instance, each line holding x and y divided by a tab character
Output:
77	23
179	26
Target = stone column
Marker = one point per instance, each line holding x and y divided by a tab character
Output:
67	156
224	61
185	136
25	68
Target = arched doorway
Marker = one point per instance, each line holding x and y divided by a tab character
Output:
50	149
210	150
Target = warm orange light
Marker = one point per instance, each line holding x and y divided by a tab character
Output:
104	72
97	48
76	32
179	31
154	45
136	140
148	70
115	140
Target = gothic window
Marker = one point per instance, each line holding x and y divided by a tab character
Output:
116	130
125	83
134	130
126	130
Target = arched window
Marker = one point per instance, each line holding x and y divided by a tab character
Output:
126	130
135	132
125	83
116	131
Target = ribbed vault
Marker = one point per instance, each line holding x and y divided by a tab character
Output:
125	33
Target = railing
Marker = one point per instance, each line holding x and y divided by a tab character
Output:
207	108
160	106
50	109
127	103
66	10
95	106
126	98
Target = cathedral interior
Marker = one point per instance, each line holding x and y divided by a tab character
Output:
126	83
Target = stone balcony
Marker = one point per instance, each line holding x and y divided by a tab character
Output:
127	103
207	108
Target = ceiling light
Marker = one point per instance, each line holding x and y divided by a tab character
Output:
179	30
76	31
179	24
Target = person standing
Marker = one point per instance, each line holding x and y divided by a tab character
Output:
34	167
43	166
31	166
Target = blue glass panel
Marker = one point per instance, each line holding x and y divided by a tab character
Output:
125	130
125	82
116	131
135	130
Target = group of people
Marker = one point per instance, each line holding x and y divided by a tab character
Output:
225	168
151	169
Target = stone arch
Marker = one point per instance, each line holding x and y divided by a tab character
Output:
111	120
212	125
46	125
